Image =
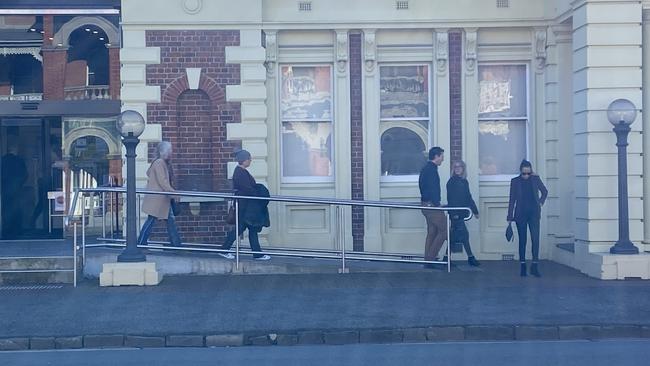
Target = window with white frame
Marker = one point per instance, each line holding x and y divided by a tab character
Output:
404	120
307	125
502	119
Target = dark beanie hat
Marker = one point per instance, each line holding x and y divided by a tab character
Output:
242	155
525	164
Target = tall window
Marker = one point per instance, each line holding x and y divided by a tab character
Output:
405	120
503	119
307	124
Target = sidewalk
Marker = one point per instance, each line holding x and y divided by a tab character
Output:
420	305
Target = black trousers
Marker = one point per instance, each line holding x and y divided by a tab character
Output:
531	223
460	234
252	238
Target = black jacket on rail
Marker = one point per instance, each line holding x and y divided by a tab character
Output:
458	195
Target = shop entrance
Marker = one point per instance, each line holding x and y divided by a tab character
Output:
31	165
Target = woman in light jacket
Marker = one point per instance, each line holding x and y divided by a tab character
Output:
458	195
158	207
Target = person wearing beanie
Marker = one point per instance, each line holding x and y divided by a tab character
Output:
527	196
244	185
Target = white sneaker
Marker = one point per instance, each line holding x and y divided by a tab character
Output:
265	257
227	255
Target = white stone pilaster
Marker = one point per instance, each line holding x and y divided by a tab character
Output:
646	125
607	60
252	94
441	102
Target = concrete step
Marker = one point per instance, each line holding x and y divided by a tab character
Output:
36	270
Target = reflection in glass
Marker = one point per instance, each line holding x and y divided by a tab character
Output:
403	152
502	145
404	91
502	91
307	149
306	93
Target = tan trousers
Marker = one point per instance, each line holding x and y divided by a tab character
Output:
436	233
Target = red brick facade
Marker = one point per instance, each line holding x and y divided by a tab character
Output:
54	62
455	95
114	72
194	121
356	138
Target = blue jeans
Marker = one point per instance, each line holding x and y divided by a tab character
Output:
172	230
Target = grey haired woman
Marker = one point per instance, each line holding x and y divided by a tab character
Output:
158	207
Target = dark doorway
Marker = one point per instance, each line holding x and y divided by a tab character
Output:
30	167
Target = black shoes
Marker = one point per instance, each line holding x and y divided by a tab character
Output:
523	272
534	270
473	262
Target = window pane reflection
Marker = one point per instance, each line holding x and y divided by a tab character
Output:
502	145
403	149
307	149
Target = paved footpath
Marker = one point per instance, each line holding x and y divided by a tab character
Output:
490	304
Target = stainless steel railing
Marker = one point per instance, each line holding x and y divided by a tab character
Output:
341	254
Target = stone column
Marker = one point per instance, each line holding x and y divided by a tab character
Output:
646	126
441	103
606	66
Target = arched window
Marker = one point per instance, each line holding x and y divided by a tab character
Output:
402	152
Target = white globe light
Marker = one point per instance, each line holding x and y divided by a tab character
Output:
621	111
130	122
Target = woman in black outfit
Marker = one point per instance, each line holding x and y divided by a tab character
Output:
458	195
527	196
244	185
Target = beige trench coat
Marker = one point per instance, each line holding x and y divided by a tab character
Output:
158	180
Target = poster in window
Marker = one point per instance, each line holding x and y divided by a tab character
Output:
502	145
306	93
502	91
404	91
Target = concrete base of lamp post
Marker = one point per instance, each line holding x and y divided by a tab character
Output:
608	266
134	274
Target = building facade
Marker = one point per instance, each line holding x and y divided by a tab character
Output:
343	98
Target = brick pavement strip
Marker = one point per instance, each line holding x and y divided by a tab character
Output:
14	344
414	335
445	334
184	341
380	336
144	342
489	332
103	341
341	337
310	337
532	332
224	340
41	343
68	342
620	331
287	339
579	332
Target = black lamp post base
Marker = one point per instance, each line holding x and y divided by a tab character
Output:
624	247
132	257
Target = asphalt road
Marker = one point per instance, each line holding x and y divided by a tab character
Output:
574	353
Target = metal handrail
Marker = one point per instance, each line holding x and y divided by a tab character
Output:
339	253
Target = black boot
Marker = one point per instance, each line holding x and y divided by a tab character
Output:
534	270
473	262
523	273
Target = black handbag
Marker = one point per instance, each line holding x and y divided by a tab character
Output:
509	233
176	207
230	217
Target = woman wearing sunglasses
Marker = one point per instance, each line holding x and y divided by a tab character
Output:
527	196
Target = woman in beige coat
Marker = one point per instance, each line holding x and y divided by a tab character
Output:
158	207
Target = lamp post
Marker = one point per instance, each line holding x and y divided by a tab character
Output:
621	113
130	124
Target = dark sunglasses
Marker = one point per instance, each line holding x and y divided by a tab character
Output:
526	173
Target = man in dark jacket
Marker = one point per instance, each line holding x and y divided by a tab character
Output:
429	182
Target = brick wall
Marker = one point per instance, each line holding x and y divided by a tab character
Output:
114	72
194	121
455	94
54	63
356	138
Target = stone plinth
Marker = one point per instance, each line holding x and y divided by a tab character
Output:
137	274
